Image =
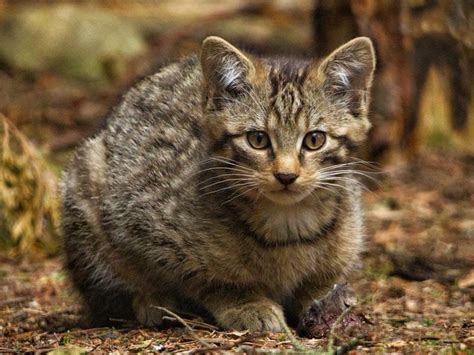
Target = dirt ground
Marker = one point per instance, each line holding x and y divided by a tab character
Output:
415	288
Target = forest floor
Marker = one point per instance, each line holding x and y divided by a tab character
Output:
415	289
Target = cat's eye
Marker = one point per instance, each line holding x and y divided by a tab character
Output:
258	139
314	140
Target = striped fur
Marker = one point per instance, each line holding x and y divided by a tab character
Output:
170	205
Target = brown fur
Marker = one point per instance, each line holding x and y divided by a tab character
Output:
171	205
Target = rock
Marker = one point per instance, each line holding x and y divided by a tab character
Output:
82	43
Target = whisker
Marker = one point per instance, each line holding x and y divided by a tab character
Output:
227	188
335	185
351	164
221	168
240	194
319	186
224	181
348	172
351	181
220	176
230	162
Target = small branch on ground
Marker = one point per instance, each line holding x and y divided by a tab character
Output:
187	326
332	332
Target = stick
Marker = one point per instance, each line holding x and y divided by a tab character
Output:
186	325
240	341
332	333
295	342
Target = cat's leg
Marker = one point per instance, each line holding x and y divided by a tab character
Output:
241	310
146	311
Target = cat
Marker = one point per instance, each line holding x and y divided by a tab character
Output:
222	186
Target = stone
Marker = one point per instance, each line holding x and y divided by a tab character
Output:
77	42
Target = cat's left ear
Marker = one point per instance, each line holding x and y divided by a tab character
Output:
226	70
347	74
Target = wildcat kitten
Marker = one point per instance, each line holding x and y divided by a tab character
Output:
219	188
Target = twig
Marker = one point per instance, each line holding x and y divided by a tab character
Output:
295	342
195	323
332	332
238	342
203	325
186	325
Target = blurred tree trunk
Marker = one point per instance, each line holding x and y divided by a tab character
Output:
413	38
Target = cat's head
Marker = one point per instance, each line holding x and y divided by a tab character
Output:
281	124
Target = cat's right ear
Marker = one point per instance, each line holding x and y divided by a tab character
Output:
225	69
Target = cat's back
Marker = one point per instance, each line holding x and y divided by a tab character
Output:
158	125
154	140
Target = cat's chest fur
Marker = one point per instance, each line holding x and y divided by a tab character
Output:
279	248
278	270
276	224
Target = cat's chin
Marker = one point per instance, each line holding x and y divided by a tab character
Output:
286	197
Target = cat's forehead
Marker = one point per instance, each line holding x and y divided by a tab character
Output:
287	72
287	93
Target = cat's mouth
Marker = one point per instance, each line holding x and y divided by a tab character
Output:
285	196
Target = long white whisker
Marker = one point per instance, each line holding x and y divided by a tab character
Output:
222	168
224	181
240	194
319	186
335	185
348	172
228	187
344	165
221	176
230	162
348	180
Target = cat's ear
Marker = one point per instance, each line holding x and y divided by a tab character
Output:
225	68
347	74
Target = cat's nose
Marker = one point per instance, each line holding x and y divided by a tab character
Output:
286	179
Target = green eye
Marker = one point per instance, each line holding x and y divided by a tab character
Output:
314	140
258	139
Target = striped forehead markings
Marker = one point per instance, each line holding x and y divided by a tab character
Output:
286	96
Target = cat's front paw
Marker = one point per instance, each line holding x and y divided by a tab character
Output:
146	312
255	316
